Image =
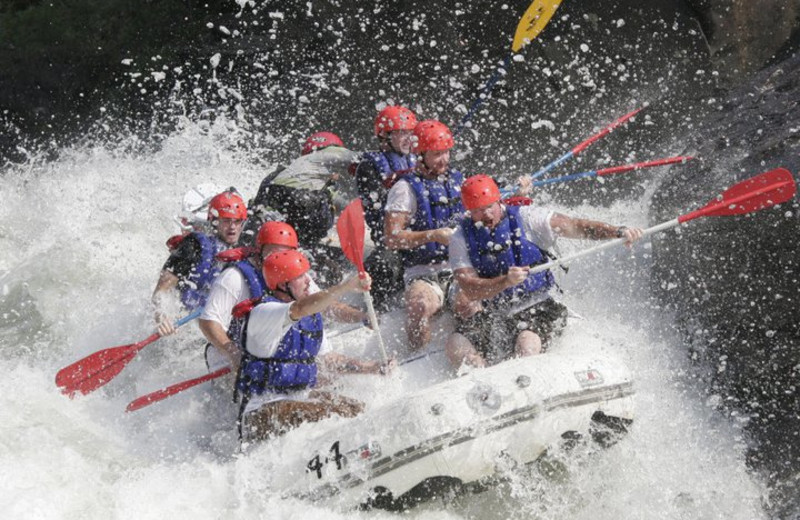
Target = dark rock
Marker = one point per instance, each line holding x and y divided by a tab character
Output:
734	282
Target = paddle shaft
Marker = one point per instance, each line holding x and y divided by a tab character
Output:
602	247
183	321
162	394
604	171
614	169
483	95
189	317
373	321
585	144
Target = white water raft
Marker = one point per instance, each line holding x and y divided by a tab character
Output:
457	432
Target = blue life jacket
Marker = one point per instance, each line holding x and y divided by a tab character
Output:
438	205
386	164
292	367
258	287
196	286
493	252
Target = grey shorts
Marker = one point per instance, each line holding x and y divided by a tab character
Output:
441	283
493	333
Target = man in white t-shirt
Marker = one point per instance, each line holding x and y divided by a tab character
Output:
491	254
284	341
421	210
242	281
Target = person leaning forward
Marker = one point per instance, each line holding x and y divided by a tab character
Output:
304	192
491	254
301	191
284	343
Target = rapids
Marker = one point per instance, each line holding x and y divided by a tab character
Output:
81	245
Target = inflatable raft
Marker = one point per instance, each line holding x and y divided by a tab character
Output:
459	432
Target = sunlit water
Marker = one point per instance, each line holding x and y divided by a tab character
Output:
81	245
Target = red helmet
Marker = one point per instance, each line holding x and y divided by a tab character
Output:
227	205
394	118
479	191
321	140
284	266
278	234
432	135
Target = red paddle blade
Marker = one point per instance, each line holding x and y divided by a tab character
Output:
162	394
351	228
90	373
754	194
99	378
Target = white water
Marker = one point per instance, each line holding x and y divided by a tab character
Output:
81	245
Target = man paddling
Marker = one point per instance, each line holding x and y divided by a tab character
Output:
491	254
191	267
285	346
421	210
243	280
375	175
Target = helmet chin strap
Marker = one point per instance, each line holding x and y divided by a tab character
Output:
287	291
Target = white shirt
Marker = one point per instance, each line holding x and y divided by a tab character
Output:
227	290
537	229
402	199
268	323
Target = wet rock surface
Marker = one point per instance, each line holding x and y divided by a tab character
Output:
734	282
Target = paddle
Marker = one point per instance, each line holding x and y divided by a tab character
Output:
615	169
533	22
95	370
162	394
351	228
586	143
754	194
682	159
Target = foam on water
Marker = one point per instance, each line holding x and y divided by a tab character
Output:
81	245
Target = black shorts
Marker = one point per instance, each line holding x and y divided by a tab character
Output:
493	333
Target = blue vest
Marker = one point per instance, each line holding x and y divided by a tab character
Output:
386	164
257	285
493	252
292	367
438	205
196	286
